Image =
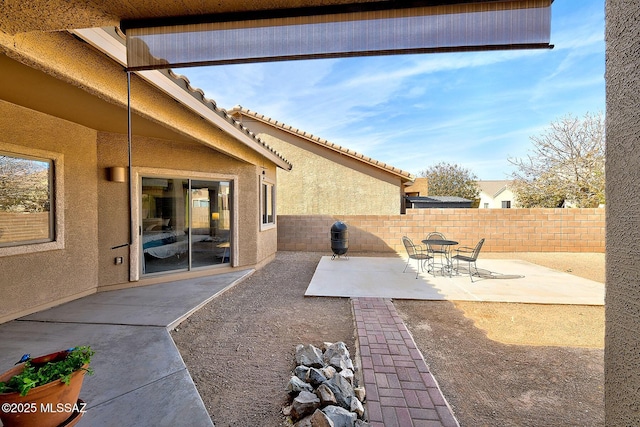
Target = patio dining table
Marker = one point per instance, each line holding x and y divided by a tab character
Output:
447	265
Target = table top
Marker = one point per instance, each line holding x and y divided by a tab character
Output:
439	242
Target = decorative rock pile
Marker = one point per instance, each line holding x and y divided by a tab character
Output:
324	389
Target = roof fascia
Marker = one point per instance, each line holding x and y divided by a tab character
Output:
104	42
500	191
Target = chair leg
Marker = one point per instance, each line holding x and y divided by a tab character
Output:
475	270
406	265
419	269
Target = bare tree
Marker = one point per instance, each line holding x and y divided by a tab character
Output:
566	166
445	179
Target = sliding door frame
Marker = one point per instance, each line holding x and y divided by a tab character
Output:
135	250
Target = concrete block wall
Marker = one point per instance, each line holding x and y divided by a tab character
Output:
505	230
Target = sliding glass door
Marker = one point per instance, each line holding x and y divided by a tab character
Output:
186	224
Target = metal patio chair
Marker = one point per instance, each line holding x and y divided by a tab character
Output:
438	251
468	255
417	253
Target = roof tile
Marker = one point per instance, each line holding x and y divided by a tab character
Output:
318	140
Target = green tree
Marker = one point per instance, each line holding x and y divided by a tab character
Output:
565	167
445	179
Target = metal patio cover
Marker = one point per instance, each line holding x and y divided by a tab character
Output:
336	30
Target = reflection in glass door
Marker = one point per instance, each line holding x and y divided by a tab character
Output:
186	224
210	223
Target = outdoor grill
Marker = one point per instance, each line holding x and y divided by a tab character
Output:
339	239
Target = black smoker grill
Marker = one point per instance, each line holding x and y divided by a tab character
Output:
339	239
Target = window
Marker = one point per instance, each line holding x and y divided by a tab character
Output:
268	204
506	204
486	205
27	207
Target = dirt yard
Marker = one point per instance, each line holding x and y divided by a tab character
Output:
497	364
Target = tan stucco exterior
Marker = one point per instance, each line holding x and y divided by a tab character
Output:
419	187
326	183
622	301
60	98
36	280
326	180
154	157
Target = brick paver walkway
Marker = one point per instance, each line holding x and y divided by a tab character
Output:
401	392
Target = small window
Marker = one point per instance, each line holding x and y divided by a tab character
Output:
26	200
267	205
506	204
486	205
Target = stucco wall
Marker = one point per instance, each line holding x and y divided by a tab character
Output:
324	182
153	156
622	301
59	76
33	281
505	230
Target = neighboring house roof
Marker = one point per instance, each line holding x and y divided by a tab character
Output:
438	202
112	43
438	199
493	188
239	110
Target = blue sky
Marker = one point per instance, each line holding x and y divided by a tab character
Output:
412	111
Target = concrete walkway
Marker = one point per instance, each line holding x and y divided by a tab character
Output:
140	378
401	392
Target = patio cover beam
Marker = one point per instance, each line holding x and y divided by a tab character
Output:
363	29
105	42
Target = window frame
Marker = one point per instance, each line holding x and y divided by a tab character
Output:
506	204
267	185
56	186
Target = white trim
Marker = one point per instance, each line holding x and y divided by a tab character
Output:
267	225
103	41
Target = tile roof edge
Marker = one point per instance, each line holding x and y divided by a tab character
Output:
238	109
198	94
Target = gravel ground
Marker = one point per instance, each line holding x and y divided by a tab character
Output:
497	364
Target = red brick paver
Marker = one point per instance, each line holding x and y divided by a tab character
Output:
401	392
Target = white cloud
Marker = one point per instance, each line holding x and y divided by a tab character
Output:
474	109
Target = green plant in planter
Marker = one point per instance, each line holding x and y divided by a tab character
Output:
40	372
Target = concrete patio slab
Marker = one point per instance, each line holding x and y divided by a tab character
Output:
140	377
521	281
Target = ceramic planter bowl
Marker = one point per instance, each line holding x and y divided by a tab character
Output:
48	405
